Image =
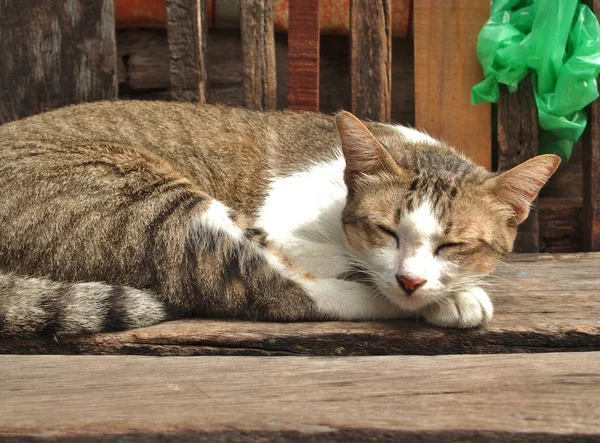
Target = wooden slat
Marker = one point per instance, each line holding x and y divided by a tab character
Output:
303	65
560	224
518	142
144	70
258	54
591	169
548	397
186	29
55	54
371	59
543	303
446	68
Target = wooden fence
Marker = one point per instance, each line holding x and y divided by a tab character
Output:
58	53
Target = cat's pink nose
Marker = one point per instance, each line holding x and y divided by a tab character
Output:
410	285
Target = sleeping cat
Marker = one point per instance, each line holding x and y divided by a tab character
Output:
117	215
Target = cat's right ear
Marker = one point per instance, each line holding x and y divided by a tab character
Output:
519	186
362	151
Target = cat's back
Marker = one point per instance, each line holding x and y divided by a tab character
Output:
135	122
161	125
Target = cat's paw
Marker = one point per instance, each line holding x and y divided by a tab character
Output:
467	309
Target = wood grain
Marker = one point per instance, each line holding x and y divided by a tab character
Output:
371	59
560	224
518	142
144	70
591	169
550	397
446	68
55	54
303	58
258	54
543	303
186	29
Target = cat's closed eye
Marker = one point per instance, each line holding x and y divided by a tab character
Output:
447	246
389	232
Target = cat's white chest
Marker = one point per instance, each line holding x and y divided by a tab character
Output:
302	213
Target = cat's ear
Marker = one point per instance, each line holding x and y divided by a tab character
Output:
519	186
362	152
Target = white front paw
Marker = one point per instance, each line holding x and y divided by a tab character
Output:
466	309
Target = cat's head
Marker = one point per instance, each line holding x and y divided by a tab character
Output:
422	219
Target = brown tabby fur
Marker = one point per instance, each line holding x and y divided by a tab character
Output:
107	192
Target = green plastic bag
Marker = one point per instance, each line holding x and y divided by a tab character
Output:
558	43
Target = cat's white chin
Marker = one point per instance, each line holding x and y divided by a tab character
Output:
411	303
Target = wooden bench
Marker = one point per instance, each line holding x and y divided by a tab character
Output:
526	377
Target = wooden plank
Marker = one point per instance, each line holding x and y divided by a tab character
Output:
371	59
55	54
144	70
303	65
560	224
591	169
543	303
518	142
186	30
258	54
549	397
446	68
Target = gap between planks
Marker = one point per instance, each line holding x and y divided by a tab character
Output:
549	397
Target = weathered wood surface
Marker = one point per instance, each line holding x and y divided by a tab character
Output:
371	59
55	54
446	68
144	70
549	397
518	142
591	169
186	30
560	224
258	54
543	303
303	57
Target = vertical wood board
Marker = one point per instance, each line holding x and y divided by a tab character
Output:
446	68
371	59
186	28
303	58
258	54
518	142
55	54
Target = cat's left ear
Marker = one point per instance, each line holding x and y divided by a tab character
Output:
519	186
362	151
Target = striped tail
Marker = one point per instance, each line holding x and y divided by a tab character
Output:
32	307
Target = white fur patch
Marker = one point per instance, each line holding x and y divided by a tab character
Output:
216	218
300	200
418	233
412	135
421	224
346	300
302	213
